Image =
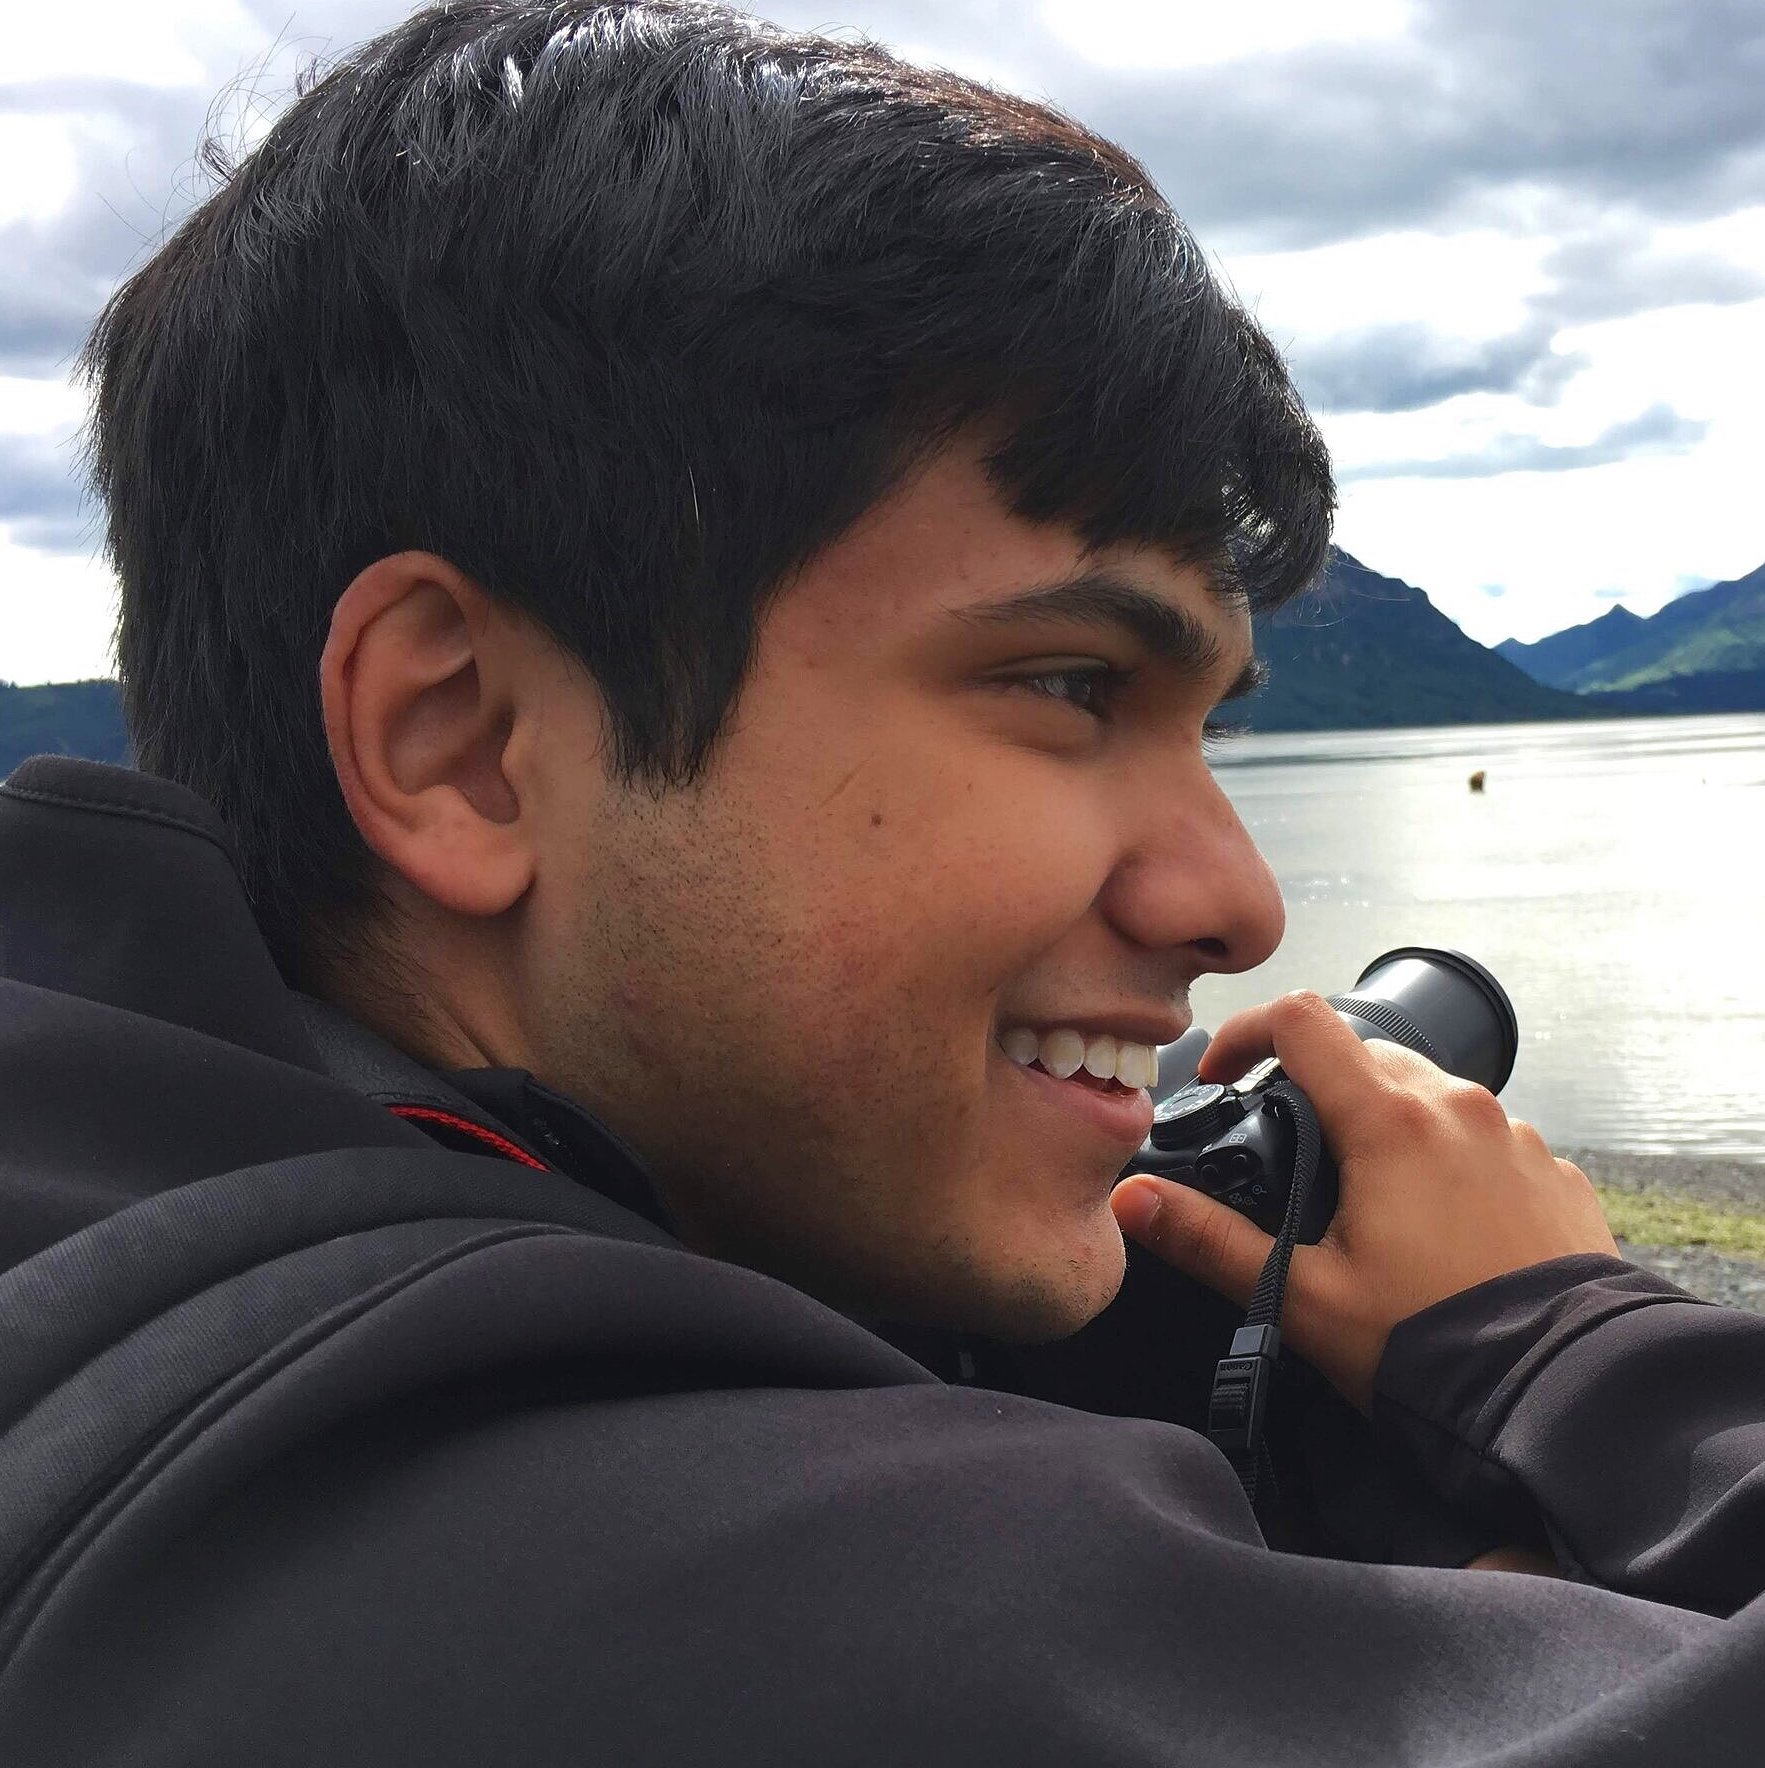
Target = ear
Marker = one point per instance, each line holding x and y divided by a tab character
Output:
419	681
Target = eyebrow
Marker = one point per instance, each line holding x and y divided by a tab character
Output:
1105	602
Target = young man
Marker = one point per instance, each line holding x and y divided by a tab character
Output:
676	579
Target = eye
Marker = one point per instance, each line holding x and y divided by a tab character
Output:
1092	688
1217	733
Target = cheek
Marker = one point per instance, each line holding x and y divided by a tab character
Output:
873	931
910	834
1002	873
938	914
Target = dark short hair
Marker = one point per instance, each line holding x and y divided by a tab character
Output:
627	310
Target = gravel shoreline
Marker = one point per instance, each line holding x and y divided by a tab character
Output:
1734	1184
1716	1276
1739	1184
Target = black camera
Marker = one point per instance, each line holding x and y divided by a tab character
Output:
1239	1143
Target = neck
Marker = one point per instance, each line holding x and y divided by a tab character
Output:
447	1009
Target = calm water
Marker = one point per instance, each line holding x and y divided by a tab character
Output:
1612	875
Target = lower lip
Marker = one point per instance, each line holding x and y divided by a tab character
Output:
1124	1117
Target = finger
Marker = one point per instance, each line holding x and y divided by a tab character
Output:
1315	1046
1180	1062
1244	1040
1529	1142
1201	1238
1593	1212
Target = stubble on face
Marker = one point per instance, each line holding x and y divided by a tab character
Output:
782	1060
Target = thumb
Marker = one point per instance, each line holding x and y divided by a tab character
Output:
1203	1239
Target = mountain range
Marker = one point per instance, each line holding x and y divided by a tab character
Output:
1360	651
65	718
1702	652
1357	651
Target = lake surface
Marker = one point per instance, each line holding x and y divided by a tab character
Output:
1612	875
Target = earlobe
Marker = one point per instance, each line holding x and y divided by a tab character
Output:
419	707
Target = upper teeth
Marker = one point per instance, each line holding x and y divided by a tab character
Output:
1063	1053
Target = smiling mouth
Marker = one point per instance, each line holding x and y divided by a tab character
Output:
1121	1113
1101	1062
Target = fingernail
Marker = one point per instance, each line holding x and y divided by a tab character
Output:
1136	1208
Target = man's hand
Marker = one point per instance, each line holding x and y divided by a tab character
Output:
1440	1191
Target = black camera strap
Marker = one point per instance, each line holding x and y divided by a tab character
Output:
1242	1378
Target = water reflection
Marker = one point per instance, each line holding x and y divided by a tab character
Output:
1610	874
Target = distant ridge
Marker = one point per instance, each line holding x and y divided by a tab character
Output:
1709	690
1556	660
1714	632
67	718
1361	651
1357	652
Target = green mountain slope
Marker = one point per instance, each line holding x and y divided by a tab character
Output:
1556	660
68	718
1710	690
1720	629
1362	651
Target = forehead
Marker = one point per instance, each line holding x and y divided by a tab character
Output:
943	547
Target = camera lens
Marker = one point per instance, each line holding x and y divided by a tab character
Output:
1441	1004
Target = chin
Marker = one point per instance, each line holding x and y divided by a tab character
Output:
1038	1300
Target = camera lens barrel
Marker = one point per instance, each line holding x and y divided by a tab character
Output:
1440	1004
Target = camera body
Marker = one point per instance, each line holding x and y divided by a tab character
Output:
1234	1144
1239	1143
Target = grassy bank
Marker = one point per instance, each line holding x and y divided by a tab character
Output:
1662	1218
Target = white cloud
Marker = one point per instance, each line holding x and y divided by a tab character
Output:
38	167
29	406
56	616
168	43
1474	282
1163	34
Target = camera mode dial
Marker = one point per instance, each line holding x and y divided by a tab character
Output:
1195	1115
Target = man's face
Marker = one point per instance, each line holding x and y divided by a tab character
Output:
934	822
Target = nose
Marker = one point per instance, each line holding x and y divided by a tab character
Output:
1194	880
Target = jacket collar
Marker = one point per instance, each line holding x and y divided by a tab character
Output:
158	1043
502	1111
120	888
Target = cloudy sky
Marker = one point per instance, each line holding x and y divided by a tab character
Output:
1515	250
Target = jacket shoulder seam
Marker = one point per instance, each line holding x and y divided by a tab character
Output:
119	807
